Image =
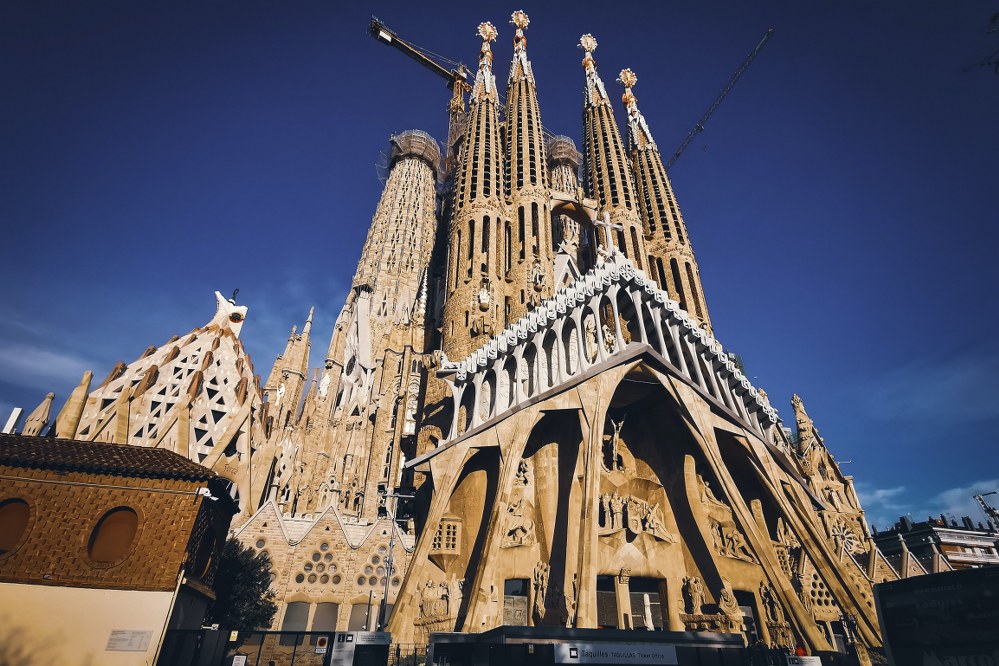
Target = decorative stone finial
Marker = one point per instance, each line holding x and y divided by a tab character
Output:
519	19
487	31
628	79
588	43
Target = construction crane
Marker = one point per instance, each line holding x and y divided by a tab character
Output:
699	127
456	79
991	513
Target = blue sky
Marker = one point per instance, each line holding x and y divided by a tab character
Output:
842	201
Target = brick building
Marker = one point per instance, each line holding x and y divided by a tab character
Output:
102	546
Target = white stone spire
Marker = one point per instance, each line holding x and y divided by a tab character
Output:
639	135
595	93
520	68
485	81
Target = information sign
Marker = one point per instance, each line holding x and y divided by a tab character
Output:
615	653
124	640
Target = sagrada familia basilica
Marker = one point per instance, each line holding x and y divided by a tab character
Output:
526	352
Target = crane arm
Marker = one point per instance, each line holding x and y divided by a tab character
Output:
699	127
991	513
386	35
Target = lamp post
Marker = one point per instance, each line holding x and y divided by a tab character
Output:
389	565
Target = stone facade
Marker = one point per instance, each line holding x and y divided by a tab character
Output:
531	357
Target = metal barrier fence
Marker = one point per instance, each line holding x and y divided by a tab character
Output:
407	654
260	648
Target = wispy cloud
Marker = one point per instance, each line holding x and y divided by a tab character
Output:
38	367
959	501
884	506
958	387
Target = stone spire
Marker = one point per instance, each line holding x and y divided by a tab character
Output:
605	163
670	259
349	437
70	414
471	307
285	385
526	244
38	419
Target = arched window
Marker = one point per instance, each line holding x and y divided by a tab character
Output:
113	535
14	518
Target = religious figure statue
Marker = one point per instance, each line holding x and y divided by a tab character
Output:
483	295
537	276
617	511
726	601
655	524
605	507
771	606
570	602
541	572
610	341
324	385
590	333
695	594
520	528
636	512
280	394
452	592
707	495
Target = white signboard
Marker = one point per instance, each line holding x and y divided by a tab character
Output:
615	653
123	640
803	661
239	660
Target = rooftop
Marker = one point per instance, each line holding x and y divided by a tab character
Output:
70	455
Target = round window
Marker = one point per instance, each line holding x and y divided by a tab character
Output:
260	543
375	559
320	568
372	581
324	579
308	566
113	536
14	517
337	579
316	557
360	580
328	557
369	569
324	547
312	578
300	578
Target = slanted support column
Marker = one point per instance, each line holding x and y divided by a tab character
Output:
622	594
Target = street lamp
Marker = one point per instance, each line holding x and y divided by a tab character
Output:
389	567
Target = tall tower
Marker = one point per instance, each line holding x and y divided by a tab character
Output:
571	244
366	397
670	259
605	162
471	310
284	387
527	244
